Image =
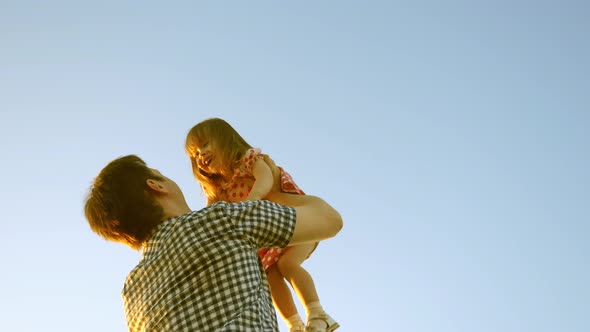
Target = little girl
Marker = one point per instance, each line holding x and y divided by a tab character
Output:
229	169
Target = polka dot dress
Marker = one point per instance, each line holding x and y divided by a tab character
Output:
239	187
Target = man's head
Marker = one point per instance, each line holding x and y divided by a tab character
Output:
121	205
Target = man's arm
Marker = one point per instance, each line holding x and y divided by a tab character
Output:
316	219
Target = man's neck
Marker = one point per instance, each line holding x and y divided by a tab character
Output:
174	208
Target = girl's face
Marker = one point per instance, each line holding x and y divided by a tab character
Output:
207	158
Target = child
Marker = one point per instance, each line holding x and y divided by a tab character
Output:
229	169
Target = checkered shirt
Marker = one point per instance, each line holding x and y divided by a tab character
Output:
201	272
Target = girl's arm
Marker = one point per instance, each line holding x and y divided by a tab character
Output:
264	180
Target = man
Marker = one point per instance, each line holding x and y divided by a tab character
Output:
199	270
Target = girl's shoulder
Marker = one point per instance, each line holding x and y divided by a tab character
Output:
252	153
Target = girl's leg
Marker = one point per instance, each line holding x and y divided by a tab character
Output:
282	297
290	268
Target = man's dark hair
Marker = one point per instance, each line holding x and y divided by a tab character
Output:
119	206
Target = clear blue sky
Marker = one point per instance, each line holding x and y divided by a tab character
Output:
453	136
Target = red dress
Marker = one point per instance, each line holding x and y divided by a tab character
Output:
239	187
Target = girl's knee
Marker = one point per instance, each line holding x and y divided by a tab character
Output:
285	265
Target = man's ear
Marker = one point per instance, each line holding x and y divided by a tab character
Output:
156	186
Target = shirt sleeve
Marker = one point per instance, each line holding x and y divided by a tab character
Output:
265	223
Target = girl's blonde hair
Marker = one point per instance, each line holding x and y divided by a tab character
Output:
230	148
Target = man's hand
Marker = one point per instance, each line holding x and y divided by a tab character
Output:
276	194
276	174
